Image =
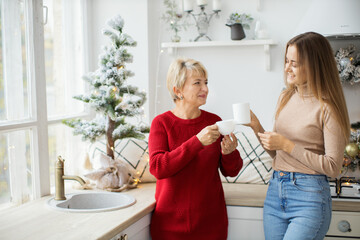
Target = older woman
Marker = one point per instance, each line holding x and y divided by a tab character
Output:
186	151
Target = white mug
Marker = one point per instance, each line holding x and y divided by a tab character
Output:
241	113
226	127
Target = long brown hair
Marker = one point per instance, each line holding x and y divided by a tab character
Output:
317	65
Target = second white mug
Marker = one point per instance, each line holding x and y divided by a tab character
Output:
241	113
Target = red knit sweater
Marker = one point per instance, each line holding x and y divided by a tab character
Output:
190	201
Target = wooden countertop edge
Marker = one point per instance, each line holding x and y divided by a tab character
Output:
235	202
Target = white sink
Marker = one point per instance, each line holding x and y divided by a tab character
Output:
92	202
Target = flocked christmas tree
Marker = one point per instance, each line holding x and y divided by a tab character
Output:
111	96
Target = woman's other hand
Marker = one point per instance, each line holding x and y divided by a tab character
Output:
274	141
228	145
208	135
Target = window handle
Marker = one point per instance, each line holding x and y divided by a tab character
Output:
46	14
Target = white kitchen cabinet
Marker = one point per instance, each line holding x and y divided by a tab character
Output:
344	225
245	223
140	230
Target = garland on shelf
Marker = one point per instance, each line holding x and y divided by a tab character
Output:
348	64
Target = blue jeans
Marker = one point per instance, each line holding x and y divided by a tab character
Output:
297	206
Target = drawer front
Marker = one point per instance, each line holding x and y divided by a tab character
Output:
345	224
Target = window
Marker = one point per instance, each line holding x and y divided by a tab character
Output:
64	66
42	61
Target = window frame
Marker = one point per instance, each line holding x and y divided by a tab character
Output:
38	121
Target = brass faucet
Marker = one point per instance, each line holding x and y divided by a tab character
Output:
60	177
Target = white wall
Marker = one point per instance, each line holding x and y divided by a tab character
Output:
236	74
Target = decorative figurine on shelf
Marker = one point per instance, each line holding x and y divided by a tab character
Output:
260	33
202	19
174	16
348	64
114	99
237	23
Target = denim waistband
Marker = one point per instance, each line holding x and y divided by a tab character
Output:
294	175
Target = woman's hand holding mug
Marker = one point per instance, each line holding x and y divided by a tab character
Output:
208	135
228	145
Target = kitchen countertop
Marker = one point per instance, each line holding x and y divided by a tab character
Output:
253	195
35	220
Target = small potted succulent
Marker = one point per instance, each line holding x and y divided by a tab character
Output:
237	22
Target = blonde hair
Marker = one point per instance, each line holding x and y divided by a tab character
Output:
179	70
317	65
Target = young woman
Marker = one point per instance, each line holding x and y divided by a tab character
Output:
307	144
186	152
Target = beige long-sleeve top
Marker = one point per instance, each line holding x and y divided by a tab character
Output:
319	142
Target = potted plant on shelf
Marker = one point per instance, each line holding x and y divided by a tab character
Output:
238	22
174	17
